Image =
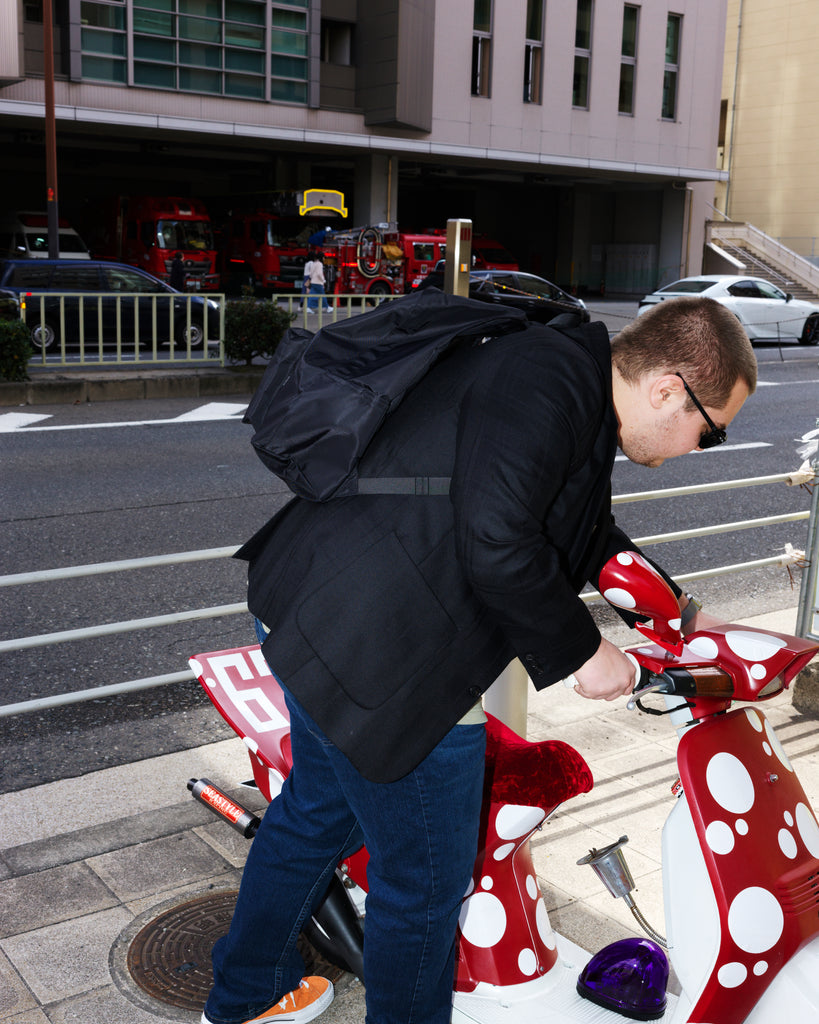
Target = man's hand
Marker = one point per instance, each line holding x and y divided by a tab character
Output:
607	675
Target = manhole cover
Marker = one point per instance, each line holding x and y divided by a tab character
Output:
170	957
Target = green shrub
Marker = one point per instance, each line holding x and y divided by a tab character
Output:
253	328
15	349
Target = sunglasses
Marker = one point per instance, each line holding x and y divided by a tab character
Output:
714	435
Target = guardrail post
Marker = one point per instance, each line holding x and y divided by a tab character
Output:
807	623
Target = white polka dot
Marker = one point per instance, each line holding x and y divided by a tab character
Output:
531	887
787	844
675	623
808	829
527	962
741	825
753	646
731	975
719	837
483	920
754	718
624	558
755	920
487	882
788	818
514	821
470	887
503	852
778	749
729	783
618	596
703	647
758	671
760	968
767	748
544	928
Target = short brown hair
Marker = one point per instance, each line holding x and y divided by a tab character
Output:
693	336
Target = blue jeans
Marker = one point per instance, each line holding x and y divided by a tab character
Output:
421	833
316	289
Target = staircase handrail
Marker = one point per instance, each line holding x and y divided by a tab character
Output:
802	271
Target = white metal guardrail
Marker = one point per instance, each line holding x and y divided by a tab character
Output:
807	623
107	328
115	328
801	477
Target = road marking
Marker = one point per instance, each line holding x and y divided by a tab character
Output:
13	421
717	448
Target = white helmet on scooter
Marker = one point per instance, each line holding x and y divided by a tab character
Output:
629	977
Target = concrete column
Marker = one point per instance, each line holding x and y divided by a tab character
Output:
375	197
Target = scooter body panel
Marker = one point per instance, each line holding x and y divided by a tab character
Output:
505	935
551	999
759	847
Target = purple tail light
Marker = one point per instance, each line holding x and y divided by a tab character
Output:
629	977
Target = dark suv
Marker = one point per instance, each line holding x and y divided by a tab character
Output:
95	300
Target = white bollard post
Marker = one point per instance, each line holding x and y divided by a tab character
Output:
508	697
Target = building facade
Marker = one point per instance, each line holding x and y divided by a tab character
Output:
768	145
580	133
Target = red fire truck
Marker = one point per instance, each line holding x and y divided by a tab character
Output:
379	260
147	231
267	247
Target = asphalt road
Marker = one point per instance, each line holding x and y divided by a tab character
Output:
93	483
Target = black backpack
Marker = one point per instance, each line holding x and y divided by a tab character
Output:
324	395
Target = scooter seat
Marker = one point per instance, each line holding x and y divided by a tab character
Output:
541	774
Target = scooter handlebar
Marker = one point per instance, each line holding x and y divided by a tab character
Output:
641	675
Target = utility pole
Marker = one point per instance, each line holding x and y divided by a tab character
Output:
50	134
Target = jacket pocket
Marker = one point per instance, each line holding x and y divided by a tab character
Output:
376	623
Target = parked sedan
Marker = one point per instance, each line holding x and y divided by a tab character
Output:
538	298
94	298
764	310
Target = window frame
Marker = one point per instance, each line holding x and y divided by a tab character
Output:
533	54
582	57
671	71
629	60
481	74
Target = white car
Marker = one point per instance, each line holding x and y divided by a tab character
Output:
765	311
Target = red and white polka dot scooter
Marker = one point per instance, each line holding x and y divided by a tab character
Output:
740	847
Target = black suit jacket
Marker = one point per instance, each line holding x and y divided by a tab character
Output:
390	615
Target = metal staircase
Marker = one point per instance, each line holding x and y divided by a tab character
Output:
759	255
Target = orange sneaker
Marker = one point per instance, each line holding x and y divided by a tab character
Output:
303	1004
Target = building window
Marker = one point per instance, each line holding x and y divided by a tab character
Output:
103	41
336	42
672	66
628	59
251	49
481	48
533	61
582	54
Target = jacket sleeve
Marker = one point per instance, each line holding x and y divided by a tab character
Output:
525	427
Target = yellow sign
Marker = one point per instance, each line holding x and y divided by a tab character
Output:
325	200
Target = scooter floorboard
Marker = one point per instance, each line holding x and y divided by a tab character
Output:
549	1000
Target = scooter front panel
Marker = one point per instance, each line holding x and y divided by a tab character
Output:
760	841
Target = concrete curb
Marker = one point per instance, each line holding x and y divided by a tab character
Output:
66	388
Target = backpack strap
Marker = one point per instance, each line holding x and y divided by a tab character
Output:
420	485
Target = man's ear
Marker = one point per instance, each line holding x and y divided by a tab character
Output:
666	391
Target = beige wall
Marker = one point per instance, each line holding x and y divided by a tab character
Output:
770	71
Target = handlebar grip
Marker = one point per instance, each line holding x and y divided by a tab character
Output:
641	674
